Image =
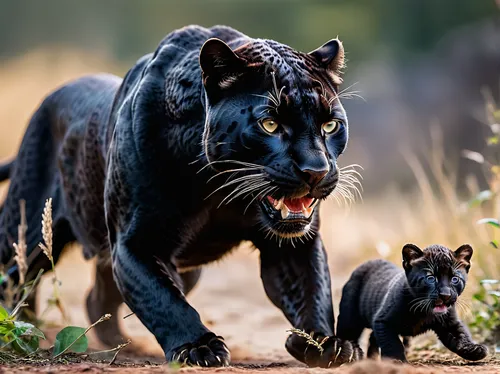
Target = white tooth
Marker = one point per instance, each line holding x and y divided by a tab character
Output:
278	204
284	211
306	211
316	201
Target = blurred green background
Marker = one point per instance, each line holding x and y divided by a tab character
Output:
127	29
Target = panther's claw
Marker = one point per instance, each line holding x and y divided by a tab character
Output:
335	351
205	352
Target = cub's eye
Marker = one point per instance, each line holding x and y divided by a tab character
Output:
331	127
430	279
269	125
455	280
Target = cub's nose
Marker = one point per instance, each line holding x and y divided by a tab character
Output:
313	177
445	296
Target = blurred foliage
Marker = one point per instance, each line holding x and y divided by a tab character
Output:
127	29
486	322
486	301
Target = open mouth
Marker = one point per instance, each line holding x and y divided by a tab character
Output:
292	208
288	217
440	307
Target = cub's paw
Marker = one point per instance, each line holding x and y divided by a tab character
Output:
332	351
208	351
473	352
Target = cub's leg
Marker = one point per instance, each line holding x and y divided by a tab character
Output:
105	298
389	342
349	325
456	337
152	290
297	281
373	348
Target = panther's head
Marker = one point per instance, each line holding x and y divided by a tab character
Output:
275	126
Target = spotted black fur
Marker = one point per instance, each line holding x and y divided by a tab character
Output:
170	168
395	303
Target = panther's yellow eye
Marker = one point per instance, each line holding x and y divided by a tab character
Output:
269	125
331	127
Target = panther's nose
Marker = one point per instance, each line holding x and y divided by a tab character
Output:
312	167
445	295
313	177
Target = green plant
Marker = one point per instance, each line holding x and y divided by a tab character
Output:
23	337
486	321
486	301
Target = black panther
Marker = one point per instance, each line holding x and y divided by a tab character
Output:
214	139
395	303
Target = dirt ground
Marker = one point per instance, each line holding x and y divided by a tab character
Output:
231	300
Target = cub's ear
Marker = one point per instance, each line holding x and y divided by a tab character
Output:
410	252
219	63
330	55
463	255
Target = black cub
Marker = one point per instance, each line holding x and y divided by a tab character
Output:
395	303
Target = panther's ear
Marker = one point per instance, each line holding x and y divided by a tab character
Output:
410	253
463	255
330	55
219	63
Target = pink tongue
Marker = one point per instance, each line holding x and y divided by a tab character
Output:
295	205
440	308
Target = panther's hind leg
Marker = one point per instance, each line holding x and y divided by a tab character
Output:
105	298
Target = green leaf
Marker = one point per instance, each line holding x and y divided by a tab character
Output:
489	221
494	244
27	329
480	197
3	313
6	327
26	345
67	336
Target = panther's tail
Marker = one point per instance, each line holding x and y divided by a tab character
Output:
5	170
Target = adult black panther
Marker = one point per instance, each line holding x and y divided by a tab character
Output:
251	124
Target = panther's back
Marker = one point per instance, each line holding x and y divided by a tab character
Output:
63	152
62	157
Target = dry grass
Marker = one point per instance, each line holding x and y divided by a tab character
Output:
20	247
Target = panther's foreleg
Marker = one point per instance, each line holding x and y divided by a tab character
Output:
152	288
297	280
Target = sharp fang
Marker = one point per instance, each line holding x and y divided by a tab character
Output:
314	203
284	211
278	203
307	211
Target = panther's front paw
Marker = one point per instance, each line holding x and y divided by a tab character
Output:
473	352
332	351
209	351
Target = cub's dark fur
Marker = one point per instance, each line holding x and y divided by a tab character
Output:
395	303
214	139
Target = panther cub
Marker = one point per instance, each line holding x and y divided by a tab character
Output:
395	303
